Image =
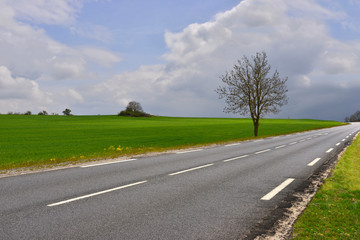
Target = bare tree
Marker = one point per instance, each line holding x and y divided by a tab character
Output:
134	107
355	117
249	89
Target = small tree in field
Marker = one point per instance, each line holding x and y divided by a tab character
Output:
249	89
67	112
43	112
134	109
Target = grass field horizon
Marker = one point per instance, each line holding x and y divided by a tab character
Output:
33	140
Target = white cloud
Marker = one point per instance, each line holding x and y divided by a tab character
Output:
18	94
294	33
100	56
340	62
31	52
45	11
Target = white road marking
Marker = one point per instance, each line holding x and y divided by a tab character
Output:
343	140
309	138
260	140
100	164
191	169
292	143
280	146
347	137
232	144
329	150
95	194
231	159
276	137
313	162
337	144
278	189
263	151
302	140
195	150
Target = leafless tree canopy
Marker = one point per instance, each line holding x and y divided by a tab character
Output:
249	89
134	107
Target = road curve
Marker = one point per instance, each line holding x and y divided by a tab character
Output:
214	193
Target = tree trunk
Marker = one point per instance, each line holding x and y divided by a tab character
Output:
256	127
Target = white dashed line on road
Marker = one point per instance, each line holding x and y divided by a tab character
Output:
101	164
280	146
191	169
329	150
95	194
313	162
235	158
232	144
278	189
263	151
195	150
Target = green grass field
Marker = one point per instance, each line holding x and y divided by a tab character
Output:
334	212
36	140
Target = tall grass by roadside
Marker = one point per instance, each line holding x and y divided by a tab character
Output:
334	212
27	140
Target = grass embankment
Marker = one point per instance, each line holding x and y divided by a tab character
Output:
334	212
36	140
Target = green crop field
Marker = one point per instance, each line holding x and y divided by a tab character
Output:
35	140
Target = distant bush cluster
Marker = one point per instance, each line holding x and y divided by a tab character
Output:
66	112
354	117
134	109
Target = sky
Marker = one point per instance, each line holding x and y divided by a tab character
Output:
95	56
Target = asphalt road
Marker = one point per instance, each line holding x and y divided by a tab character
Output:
214	193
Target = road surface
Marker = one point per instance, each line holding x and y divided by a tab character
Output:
219	192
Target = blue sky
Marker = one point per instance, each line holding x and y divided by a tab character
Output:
135	28
94	56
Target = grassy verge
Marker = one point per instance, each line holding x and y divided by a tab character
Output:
36	140
334	212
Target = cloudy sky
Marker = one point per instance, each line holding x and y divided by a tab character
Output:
94	56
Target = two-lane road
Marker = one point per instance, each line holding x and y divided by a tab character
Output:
212	193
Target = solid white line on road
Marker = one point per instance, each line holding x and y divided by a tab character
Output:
260	140
329	150
292	143
263	151
231	159
232	144
337	144
100	164
280	146
195	150
278	189
191	169
313	162
95	194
